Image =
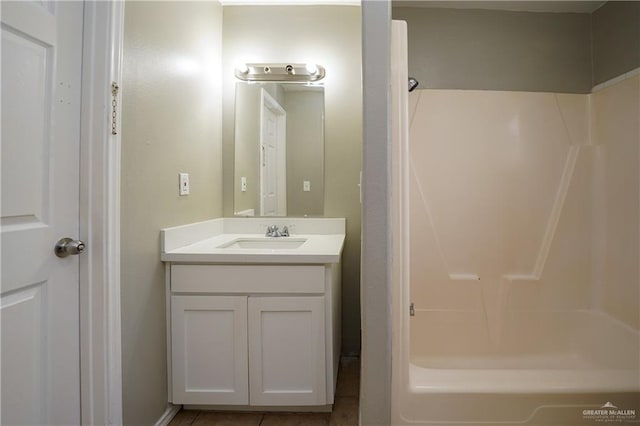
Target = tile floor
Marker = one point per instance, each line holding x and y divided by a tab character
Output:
345	408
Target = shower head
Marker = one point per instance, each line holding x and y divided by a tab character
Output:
413	83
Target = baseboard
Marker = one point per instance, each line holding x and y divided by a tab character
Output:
168	415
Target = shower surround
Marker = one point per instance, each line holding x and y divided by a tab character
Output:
522	213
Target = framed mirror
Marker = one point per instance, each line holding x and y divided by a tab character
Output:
279	149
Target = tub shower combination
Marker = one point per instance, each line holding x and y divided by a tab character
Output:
516	246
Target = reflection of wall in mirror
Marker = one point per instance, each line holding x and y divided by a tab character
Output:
247	161
305	152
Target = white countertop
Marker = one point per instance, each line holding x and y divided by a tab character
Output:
201	243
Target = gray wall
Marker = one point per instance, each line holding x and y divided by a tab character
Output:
330	36
616	39
305	152
498	50
375	380
171	123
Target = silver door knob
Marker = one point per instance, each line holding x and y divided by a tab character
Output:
68	246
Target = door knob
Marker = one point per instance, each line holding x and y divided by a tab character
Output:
68	246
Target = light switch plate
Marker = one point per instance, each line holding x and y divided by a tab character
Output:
184	183
243	184
306	185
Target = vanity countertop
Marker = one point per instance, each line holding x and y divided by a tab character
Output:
204	242
316	249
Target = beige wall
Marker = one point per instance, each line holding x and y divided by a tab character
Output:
330	36
171	124
498	50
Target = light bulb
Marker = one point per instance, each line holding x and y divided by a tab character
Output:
242	68
311	68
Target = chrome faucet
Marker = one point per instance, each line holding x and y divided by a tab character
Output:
273	231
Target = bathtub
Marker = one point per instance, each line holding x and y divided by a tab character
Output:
580	351
550	368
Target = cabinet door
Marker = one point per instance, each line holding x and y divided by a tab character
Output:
209	350
287	351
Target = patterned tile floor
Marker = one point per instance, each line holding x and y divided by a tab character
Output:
345	408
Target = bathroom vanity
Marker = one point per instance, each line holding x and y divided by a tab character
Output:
253	321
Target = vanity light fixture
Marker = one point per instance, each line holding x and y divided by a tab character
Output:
303	73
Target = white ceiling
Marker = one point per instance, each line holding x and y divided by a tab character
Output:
518	6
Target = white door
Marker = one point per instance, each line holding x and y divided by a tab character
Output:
209	350
287	351
273	158
39	305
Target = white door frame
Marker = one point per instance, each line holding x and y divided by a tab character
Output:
268	101
100	334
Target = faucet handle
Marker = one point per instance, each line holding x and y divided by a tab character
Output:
272	231
269	230
285	231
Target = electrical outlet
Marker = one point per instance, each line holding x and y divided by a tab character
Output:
306	185
243	184
184	183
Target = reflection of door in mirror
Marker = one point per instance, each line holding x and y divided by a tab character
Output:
273	178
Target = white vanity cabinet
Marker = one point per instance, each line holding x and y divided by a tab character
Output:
287	351
209	349
253	335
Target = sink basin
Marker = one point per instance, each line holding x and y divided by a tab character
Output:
284	243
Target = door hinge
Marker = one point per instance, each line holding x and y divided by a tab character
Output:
412	311
114	107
